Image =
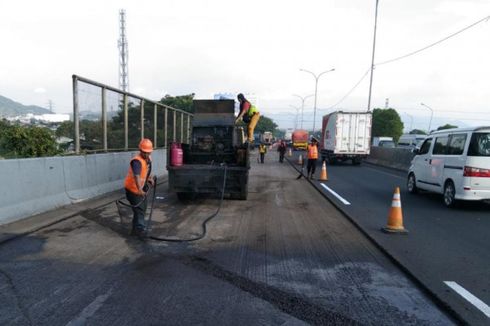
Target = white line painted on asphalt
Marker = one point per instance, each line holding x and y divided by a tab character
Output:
90	310
335	194
482	306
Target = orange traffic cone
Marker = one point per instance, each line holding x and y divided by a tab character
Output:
300	159
323	174
395	217
290	153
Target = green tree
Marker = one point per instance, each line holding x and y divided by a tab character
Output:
447	126
182	102
417	132
65	129
265	124
387	122
20	141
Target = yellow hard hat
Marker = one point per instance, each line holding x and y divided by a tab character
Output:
146	145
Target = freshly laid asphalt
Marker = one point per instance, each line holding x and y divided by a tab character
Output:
285	256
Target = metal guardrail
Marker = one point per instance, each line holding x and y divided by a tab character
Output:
168	113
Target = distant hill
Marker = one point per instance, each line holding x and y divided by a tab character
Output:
9	108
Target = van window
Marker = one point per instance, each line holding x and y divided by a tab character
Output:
456	144
425	146
479	145
440	146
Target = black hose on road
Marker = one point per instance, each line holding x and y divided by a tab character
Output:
204	230
202	235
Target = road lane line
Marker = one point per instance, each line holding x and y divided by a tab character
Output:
335	194
482	306
90	310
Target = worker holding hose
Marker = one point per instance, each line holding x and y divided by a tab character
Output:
137	183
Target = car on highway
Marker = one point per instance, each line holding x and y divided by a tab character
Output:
411	141
455	163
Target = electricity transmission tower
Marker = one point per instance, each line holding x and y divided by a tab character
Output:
123	53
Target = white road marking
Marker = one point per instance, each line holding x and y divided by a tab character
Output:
90	310
482	306
335	194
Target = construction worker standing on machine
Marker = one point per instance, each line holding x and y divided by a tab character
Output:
136	185
312	151
250	115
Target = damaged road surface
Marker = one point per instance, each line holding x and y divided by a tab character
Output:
285	256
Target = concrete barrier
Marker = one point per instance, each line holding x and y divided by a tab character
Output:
36	185
397	158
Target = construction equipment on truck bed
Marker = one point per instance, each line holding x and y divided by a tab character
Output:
215	142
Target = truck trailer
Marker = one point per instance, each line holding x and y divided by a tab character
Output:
216	149
267	138
346	136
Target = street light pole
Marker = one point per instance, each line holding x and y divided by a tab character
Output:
372	58
431	115
297	113
316	91
302	106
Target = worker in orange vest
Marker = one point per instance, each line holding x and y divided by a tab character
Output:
312	151
136	185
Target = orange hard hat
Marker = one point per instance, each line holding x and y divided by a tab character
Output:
146	145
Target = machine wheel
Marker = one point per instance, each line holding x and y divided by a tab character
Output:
356	161
411	184
449	194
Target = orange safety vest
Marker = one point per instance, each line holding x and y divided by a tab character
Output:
312	152
130	182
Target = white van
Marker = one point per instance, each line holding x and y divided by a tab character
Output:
455	163
411	140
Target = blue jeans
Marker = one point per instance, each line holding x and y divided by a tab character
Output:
138	211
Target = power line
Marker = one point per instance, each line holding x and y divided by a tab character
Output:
351	90
433	44
407	55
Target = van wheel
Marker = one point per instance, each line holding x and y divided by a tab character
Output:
411	184
449	194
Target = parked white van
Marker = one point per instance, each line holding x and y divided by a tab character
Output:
455	163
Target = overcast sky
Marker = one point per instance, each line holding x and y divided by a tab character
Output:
256	46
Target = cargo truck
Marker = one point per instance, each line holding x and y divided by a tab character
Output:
346	136
267	137
216	144
300	139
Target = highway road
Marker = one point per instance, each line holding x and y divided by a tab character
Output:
285	256
446	249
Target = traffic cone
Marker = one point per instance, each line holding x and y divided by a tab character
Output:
395	217
290	153
300	159
323	174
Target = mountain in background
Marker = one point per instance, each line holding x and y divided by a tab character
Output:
9	108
